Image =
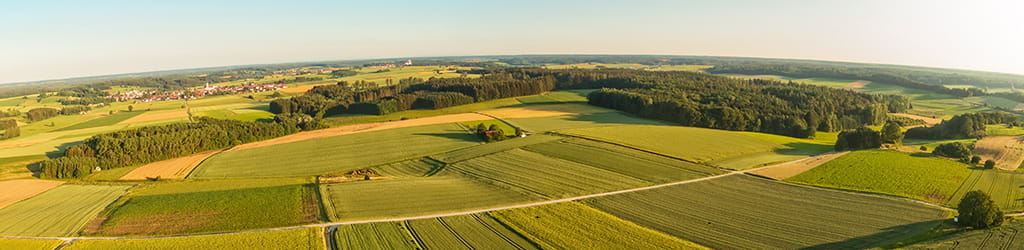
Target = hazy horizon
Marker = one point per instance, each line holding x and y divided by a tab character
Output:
48	40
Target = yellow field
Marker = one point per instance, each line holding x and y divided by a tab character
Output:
17	190
177	168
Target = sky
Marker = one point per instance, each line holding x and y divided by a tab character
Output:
42	39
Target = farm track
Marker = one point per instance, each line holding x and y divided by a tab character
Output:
470	212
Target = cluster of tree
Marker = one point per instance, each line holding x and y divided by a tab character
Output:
494	133
73	110
892	133
11	129
978	210
904	121
971	125
156	143
343	73
955	150
39	114
860	138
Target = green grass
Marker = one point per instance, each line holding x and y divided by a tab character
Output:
214	206
542	175
557	97
413	196
542	124
103	121
373	236
743	212
571	225
10	102
1004	237
622	160
475	231
1006	188
411	168
336	154
1003	130
688	143
26	244
889	172
15	167
493	147
303	238
61	211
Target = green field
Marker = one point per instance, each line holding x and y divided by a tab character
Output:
413	196
61	211
17	167
303	238
336	154
412	168
374	236
889	172
743	212
25	244
1006	188
493	147
106	120
557	97
542	124
622	160
571	225
349	119
545	176
473	231
214	206
1004	237
688	143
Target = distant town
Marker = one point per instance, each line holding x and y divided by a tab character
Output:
156	95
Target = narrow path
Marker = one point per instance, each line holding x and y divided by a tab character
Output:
448	214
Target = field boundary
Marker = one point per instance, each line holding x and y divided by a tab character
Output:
469	212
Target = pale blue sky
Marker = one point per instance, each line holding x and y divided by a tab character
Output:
59	39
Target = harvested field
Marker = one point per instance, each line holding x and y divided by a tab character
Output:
858	84
475	231
929	120
688	143
149	116
61	211
622	160
744	212
533	111
571	225
17	190
303	238
414	196
549	177
336	154
888	172
177	168
1006	151
794	168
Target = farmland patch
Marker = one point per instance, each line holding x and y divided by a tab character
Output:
17	190
475	231
689	143
622	160
303	238
61	211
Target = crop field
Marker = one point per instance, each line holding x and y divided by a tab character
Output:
622	160
411	168
17	190
303	238
102	121
212	206
572	225
551	123
743	212
1006	151
493	147
688	143
41	216
374	236
176	168
340	120
1006	188
1003	130
16	167
336	154
25	244
1004	237
445	192
542	175
546	110
888	172
473	231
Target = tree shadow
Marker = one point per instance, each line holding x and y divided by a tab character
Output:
36	168
888	236
60	149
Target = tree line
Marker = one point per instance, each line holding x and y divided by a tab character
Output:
971	125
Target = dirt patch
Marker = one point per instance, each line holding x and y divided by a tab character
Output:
930	121
1006	151
544	111
359	128
858	84
18	190
176	168
156	116
794	168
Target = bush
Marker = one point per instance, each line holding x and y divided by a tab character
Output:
977	210
953	150
989	164
924	148
975	159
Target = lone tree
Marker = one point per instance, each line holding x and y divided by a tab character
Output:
975	159
977	210
130	108
892	133
989	164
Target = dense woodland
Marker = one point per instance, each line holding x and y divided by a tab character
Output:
970	125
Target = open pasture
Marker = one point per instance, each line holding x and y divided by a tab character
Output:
61	211
414	196
888	172
688	143
337	153
17	190
542	175
302	238
743	212
212	206
1006	188
622	160
475	231
571	225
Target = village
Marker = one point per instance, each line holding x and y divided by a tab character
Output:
157	95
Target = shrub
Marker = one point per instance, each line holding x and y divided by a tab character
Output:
989	164
977	210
